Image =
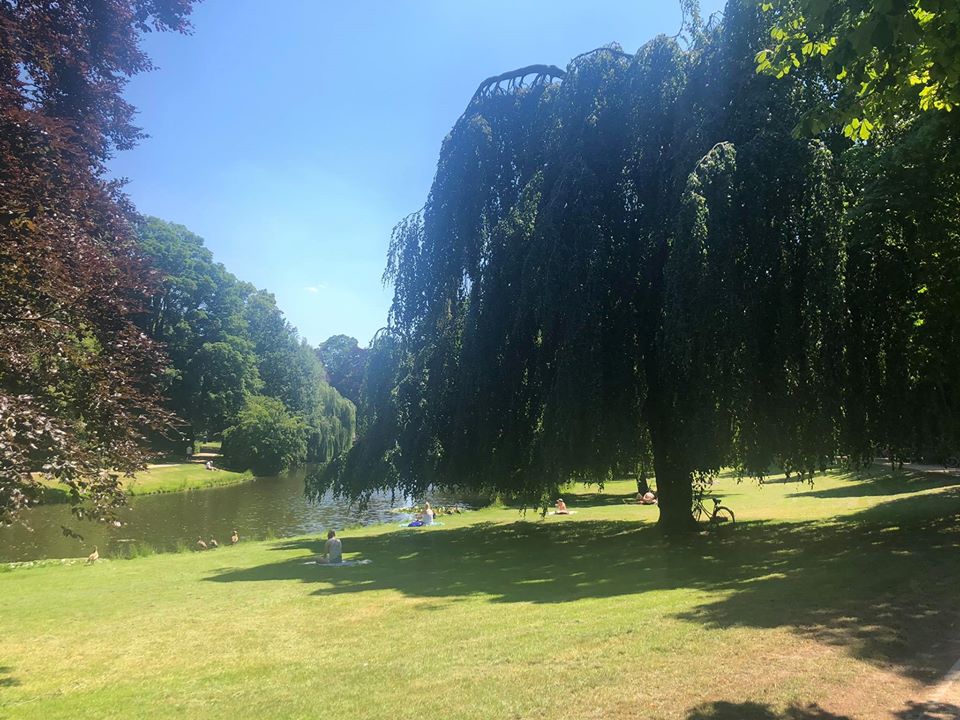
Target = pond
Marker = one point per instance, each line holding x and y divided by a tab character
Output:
265	507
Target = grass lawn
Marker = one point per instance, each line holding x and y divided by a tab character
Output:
173	477
182	476
823	603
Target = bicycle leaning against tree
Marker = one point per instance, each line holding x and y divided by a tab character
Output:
715	517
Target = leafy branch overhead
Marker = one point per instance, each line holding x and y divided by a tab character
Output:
882	59
79	380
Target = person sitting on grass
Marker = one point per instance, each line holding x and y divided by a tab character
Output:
427	515
561	507
648	498
209	465
333	548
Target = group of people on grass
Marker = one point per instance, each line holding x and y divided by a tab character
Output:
333	548
642	498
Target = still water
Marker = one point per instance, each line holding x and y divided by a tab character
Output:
273	506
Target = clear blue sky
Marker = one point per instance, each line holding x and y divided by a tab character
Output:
292	135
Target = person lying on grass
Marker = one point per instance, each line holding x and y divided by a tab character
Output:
647	498
333	548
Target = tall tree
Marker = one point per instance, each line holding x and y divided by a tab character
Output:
77	377
634	248
198	315
345	362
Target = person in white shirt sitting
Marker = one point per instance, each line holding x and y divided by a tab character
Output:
333	548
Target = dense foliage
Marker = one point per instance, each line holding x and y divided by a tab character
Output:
265	438
635	257
883	59
346	363
903	279
229	343
77	377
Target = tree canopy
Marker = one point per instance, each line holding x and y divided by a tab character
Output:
636	255
229	344
882	59
265	437
346	363
78	379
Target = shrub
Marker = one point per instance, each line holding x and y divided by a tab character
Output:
265	438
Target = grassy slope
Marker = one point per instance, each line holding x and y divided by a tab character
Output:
183	476
843	595
162	479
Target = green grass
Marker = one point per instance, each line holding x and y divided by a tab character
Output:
836	601
182	476
165	478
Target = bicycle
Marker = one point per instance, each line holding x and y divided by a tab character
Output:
720	515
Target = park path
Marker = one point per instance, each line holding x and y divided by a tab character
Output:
947	691
919	467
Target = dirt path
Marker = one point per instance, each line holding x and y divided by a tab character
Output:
948	689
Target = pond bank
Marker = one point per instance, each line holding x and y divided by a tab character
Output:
162	478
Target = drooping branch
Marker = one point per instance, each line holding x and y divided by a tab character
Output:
543	75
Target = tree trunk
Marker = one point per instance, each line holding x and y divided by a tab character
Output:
674	497
643	487
672	471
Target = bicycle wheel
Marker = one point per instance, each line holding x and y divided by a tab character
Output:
700	513
723	516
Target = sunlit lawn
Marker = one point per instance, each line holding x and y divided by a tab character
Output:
843	596
182	476
161	479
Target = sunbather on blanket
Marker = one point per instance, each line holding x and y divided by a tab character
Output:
334	550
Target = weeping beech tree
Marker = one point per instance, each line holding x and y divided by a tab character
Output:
632	256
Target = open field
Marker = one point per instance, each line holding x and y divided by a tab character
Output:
827	602
164	478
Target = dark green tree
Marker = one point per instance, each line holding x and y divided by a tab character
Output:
266	438
219	378
635	247
345	362
902	271
198	315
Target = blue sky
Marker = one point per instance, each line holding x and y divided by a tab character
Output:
293	135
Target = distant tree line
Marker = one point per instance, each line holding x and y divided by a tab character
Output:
237	369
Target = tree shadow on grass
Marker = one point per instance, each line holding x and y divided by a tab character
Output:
6	679
928	711
722	710
881	583
755	711
883	483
